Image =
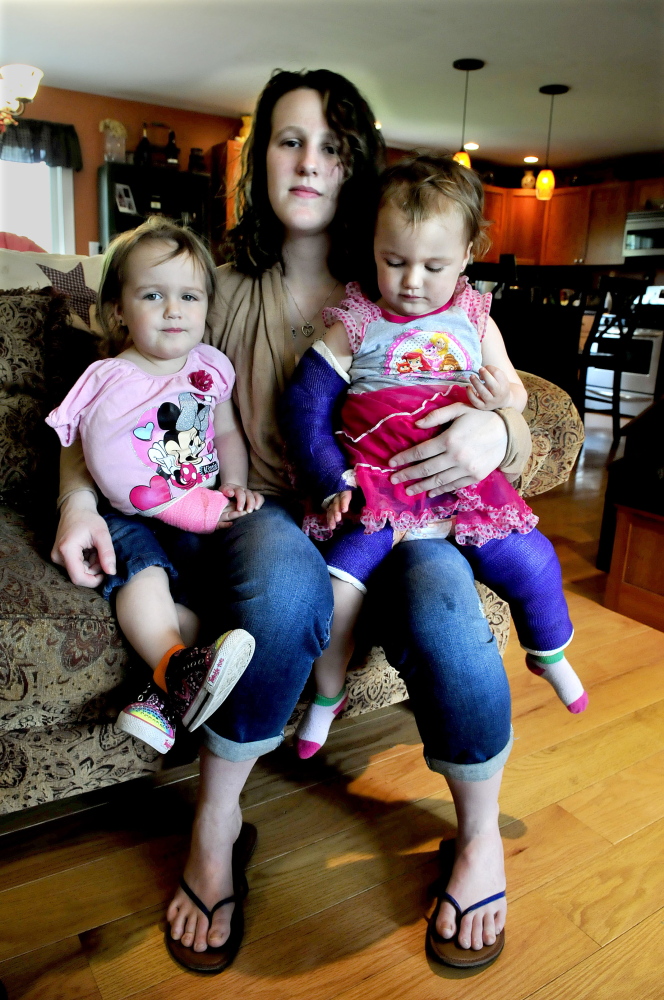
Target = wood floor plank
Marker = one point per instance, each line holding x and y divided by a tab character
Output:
89	895
617	889
336	949
547	723
349	748
58	972
545	845
625	802
528	961
630	968
546	776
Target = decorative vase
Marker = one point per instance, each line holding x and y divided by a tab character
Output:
528	179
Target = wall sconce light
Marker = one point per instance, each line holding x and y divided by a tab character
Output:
466	66
546	181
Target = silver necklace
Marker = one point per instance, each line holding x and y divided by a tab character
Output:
307	326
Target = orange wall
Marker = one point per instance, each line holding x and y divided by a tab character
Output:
85	111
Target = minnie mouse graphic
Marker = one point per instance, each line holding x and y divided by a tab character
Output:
182	456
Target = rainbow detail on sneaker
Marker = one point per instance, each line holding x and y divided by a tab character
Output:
150	719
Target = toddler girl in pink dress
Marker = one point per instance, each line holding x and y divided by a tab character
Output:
159	432
427	343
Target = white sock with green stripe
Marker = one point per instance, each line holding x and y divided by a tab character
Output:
316	721
562	677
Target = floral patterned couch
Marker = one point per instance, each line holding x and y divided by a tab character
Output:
62	659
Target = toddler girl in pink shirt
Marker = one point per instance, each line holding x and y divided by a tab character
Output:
159	432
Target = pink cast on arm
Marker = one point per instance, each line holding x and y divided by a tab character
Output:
197	511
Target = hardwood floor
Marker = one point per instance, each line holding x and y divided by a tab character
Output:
347	844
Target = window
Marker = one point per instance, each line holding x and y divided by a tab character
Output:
37	201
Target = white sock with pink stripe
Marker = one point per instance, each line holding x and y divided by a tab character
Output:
562	677
316	721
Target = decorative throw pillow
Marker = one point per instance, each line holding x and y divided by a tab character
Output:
75	276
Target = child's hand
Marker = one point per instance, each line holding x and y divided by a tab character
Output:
246	500
492	392
241	501
337	507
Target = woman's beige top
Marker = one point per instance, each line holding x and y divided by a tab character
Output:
248	323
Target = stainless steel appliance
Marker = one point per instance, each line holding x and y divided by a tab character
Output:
644	234
637	388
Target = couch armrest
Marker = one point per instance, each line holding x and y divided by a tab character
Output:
557	432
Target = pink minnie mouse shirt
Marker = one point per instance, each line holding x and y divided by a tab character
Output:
148	440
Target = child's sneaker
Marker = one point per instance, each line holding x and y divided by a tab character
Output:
200	679
150	718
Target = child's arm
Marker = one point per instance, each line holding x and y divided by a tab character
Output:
500	386
204	510
233	461
307	418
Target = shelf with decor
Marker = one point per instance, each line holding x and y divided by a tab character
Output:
129	194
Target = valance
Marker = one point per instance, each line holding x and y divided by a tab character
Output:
32	141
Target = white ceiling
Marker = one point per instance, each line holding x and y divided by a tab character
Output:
215	55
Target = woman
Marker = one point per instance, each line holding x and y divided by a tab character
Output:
306	198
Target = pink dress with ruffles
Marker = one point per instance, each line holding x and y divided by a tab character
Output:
397	377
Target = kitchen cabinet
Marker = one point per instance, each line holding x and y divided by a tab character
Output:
579	225
565	233
647	194
609	205
524	226
495	210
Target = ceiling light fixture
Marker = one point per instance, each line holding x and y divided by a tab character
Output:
531	159
18	86
466	66
545	178
471	145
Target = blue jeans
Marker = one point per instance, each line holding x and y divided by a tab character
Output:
264	575
422	607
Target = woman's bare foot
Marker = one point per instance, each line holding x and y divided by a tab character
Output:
209	874
478	872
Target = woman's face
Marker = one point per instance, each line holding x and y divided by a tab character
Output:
304	172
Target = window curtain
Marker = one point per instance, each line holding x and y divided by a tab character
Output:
33	141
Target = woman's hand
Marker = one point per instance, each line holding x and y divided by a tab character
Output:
337	507
465	453
83	542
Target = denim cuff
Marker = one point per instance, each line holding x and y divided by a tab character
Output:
472	772
229	750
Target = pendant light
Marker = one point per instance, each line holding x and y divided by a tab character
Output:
545	179
466	66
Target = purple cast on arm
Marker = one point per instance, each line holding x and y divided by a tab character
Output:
309	410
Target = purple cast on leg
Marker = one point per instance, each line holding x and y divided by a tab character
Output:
358	554
524	570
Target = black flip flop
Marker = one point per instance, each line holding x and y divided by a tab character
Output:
212	961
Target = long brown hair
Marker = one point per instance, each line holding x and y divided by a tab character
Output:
255	244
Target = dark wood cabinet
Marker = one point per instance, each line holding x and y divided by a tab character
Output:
609	204
565	234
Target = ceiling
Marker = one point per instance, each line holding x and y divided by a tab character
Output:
215	55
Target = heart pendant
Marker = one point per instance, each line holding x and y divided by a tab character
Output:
308	329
